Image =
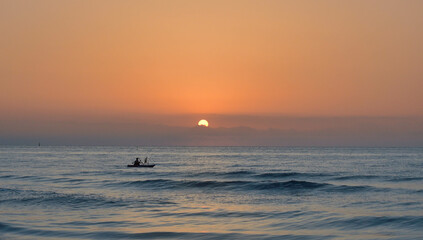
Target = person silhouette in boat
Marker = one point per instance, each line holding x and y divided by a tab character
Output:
137	162
145	160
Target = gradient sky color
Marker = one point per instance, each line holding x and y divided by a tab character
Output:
329	58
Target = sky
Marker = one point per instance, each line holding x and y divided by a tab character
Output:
262	72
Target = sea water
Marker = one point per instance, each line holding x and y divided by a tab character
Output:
211	193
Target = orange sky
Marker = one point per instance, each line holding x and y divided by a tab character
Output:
310	58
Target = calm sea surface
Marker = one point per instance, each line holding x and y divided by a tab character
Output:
211	193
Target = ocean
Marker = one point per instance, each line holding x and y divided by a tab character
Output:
53	192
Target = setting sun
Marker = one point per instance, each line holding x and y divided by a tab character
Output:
203	123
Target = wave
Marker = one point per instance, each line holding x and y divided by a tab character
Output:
72	200
10	229
26	177
220	213
384	178
31	197
65	180
353	189
245	174
357	177
362	222
240	173
291	185
290	174
406	179
174	184
281	175
7	176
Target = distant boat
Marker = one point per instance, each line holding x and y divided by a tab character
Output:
145	163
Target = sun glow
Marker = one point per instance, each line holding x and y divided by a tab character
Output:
203	123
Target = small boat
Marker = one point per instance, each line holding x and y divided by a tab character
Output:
142	165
